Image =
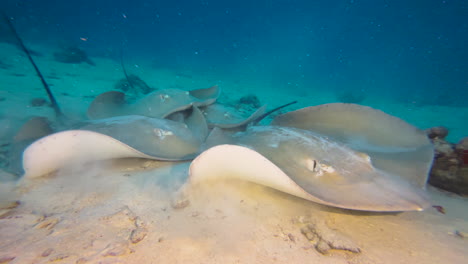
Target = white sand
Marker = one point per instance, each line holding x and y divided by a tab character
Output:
124	212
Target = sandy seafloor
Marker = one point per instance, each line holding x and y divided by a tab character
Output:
127	211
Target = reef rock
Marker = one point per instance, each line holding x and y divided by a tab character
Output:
450	168
461	149
437	132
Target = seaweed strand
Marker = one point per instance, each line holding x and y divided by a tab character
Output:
54	103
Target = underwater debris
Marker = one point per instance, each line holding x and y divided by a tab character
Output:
73	55
59	257
138	234
7	206
439	208
47	252
117	249
460	234
48	223
180	204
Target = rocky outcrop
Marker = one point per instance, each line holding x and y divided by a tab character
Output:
450	168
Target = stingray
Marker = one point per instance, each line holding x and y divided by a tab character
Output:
218	115
118	137
393	144
158	104
310	166
218	121
33	129
226	118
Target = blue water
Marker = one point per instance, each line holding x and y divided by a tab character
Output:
408	51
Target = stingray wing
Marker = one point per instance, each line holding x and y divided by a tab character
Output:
393	145
112	138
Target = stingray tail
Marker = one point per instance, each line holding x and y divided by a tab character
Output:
130	84
54	103
260	118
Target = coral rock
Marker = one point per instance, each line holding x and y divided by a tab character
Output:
439	132
462	151
449	170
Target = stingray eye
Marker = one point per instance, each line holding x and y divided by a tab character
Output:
312	165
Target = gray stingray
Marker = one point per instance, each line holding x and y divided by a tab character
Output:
310	166
393	144
197	124
158	104
221	116
206	95
195	121
33	129
118	137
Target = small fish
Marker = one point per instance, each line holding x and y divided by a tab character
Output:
124	15
84	39
439	208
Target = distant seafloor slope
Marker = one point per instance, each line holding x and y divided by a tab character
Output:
406	58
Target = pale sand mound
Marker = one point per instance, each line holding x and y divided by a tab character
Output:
118	214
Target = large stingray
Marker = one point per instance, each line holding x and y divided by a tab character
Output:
365	159
158	104
392	144
310	166
118	137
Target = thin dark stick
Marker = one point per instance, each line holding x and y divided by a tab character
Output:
54	103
